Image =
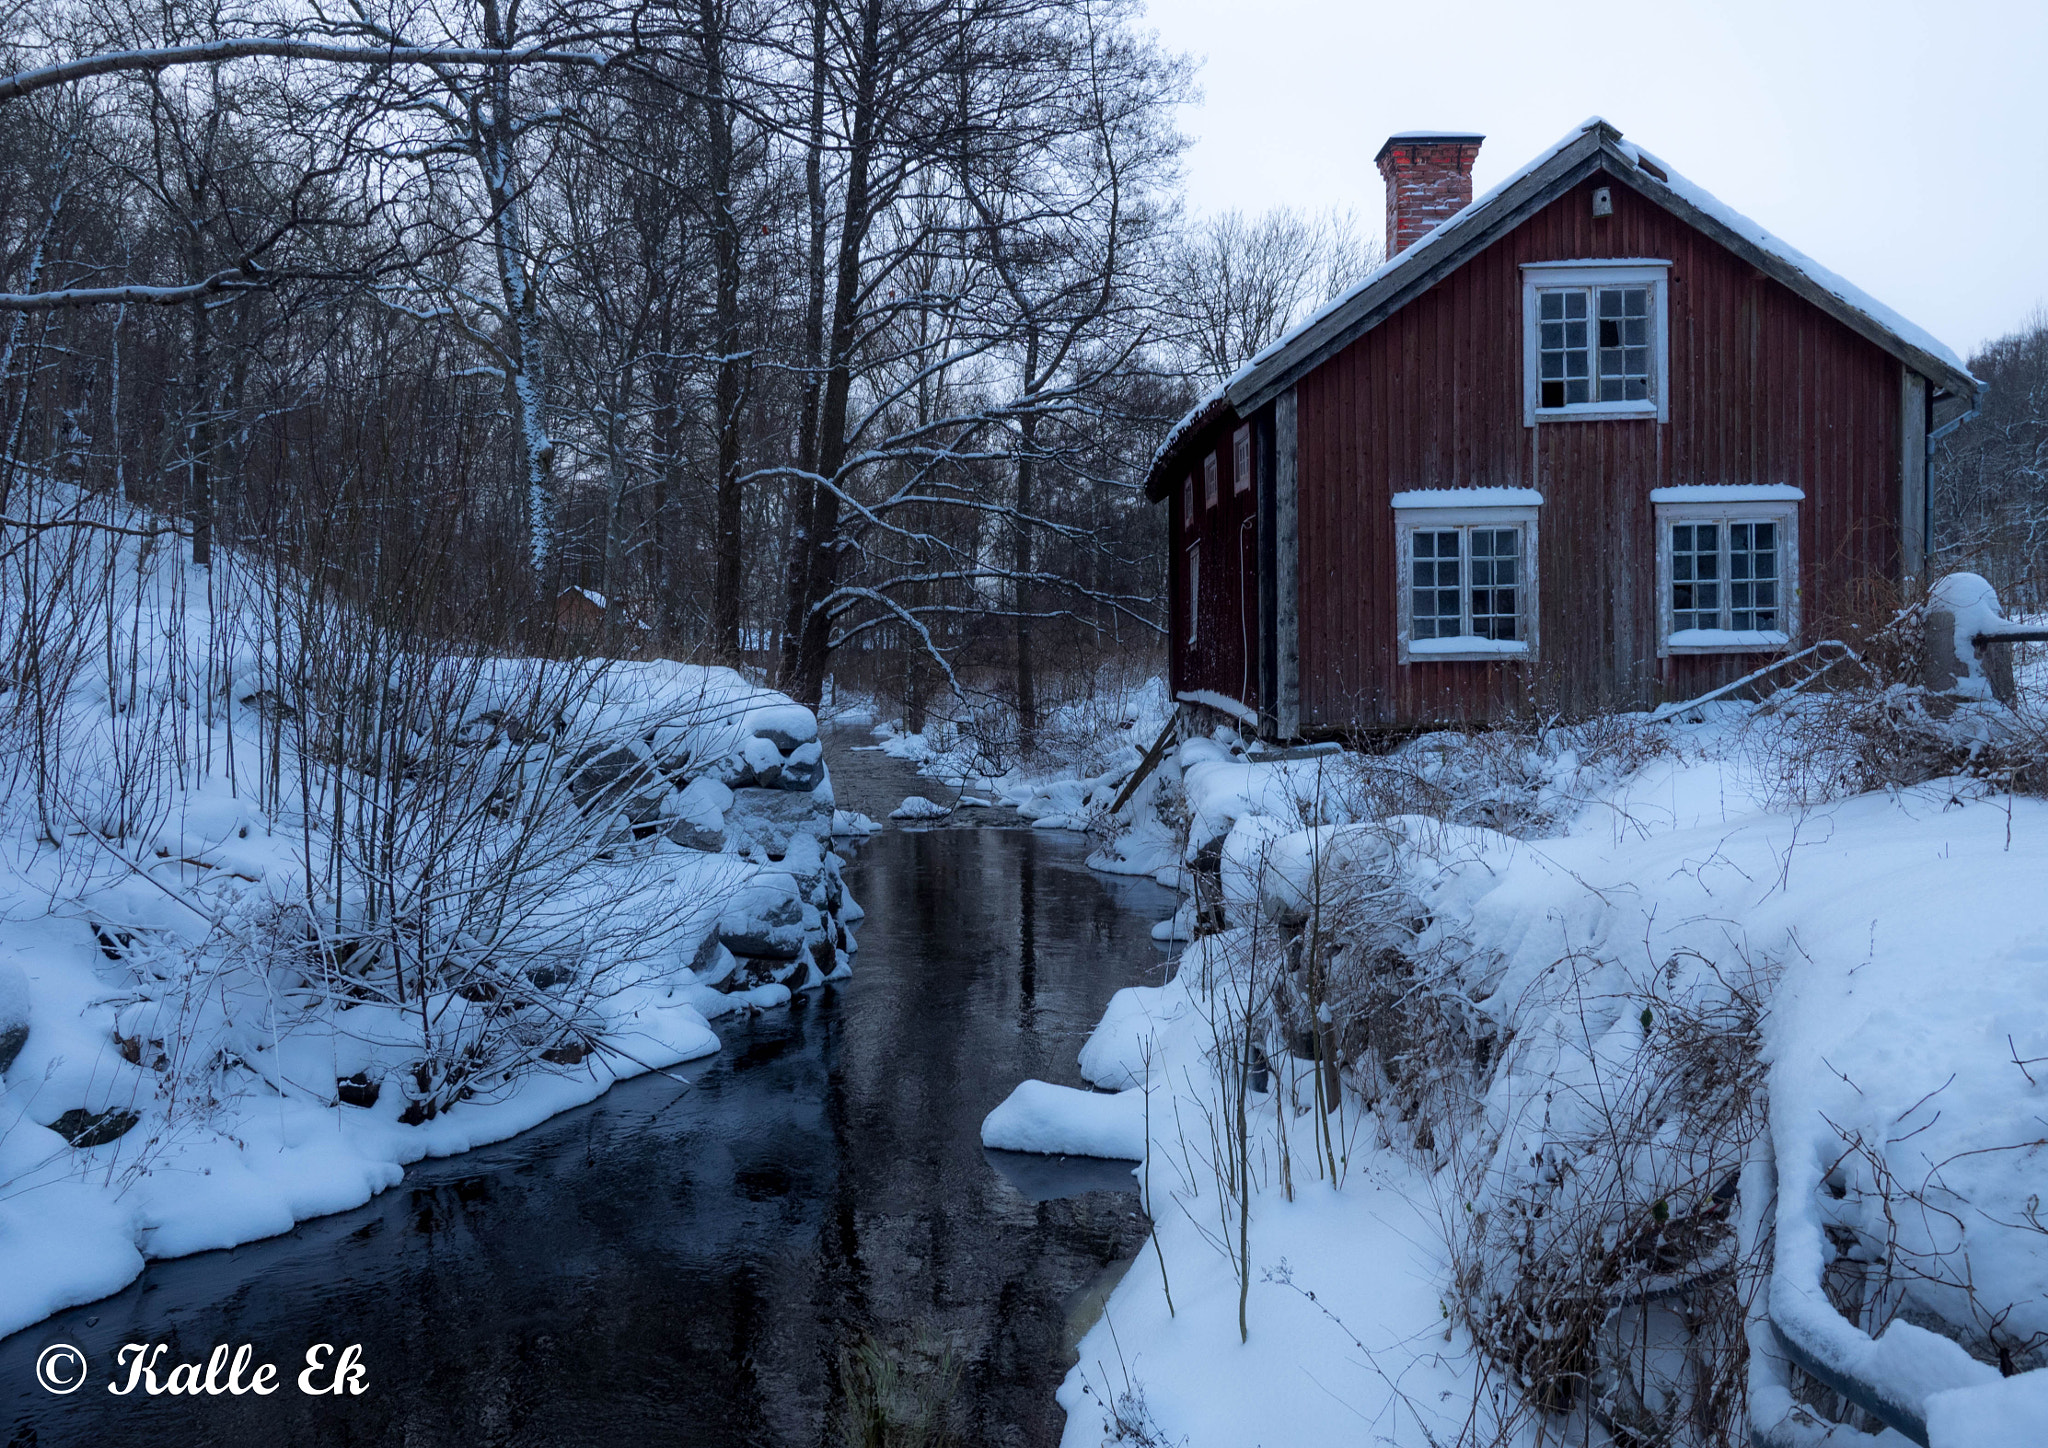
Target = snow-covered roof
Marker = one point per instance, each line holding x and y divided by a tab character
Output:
1397	281
1206	410
1595	145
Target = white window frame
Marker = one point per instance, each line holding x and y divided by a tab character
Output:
1241	460
1463	509
1193	575
1539	276
1778	505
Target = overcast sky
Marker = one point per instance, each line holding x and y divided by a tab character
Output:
1904	146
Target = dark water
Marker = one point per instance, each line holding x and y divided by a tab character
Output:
684	1265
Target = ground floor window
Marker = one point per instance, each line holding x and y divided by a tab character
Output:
1468	574
1194	580
1727	568
1467	583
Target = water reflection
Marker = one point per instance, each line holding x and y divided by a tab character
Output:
676	1264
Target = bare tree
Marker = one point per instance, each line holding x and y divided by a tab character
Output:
1241	282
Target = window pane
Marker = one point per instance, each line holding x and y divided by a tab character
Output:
1563	348
1752	554
1435	602
1624	344
1695	564
1496	566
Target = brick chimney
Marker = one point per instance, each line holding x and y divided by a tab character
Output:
1429	180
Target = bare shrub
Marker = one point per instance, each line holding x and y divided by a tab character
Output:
1526	783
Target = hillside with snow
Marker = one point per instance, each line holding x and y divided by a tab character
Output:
1631	1080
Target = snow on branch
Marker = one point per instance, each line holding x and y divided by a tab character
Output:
247	47
234	280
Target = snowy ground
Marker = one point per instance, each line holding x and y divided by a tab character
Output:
1891	950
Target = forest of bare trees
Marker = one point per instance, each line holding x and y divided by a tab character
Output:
810	335
1991	474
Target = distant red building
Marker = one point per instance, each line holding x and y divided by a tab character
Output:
1591	442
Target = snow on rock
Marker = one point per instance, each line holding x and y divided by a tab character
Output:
1178	926
1222	789
917	807
1062	1121
852	823
1971	604
1221	703
765	821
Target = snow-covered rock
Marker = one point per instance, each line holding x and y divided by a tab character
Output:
917	807
1061	1121
767	819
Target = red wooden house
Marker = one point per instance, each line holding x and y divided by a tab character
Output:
1590	442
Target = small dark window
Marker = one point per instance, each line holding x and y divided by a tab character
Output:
1210	495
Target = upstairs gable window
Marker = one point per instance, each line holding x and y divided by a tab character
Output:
1593	340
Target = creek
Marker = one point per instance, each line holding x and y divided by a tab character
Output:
689	1263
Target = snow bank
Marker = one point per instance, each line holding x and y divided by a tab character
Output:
1882	956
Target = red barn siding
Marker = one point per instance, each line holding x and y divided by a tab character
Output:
1765	388
1223	658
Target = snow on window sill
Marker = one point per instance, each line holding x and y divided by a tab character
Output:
1729	493
1595	411
1468	648
1725	640
1429	498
